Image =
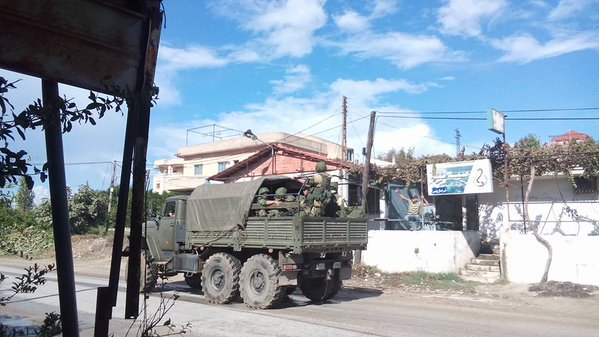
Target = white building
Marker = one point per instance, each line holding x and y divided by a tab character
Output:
193	164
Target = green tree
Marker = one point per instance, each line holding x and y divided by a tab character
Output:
24	197
396	156
88	210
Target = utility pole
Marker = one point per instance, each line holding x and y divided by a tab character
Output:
344	145
344	131
366	174
112	179
457	142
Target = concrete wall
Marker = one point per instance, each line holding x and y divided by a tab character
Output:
430	251
553	205
575	258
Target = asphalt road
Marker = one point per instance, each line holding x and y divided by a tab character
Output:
354	312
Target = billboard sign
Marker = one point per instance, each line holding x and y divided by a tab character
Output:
497	121
464	177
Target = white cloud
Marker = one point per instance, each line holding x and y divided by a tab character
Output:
525	48
296	79
282	27
41	194
402	49
568	8
173	60
368	91
351	21
465	17
383	7
189	58
320	114
418	136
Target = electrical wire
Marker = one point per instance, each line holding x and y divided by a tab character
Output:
486	111
311	126
437	118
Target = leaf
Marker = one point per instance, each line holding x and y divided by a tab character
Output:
21	133
92	121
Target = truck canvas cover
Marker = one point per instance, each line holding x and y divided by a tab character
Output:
223	207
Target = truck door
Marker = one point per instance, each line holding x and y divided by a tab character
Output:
166	231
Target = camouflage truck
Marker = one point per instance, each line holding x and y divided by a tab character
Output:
215	238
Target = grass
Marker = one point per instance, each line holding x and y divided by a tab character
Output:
434	281
414	280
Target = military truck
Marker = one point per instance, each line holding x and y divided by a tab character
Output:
215	238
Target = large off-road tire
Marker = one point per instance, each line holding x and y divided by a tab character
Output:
320	289
220	278
148	274
259	283
194	281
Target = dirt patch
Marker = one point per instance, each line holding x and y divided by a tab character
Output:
91	246
367	277
563	289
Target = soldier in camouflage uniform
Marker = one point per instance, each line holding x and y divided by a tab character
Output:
262	200
281	196
320	193
305	204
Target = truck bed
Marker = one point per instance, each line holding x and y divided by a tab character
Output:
296	233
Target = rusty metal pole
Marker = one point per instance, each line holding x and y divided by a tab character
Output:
141	104
60	211
107	296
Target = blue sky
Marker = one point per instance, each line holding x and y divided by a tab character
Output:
285	65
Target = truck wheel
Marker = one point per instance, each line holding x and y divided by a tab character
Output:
220	278
319	289
194	281
148	274
259	283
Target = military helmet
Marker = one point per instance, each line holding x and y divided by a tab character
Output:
280	192
263	190
334	187
321	166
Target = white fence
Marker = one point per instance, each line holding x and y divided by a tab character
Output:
429	251
575	258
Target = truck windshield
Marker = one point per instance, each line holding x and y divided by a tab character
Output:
169	209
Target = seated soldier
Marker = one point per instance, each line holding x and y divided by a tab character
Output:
281	196
263	200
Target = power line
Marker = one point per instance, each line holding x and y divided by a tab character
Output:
486	111
431	112
433	138
81	163
554	119
439	118
507	118
311	126
338	126
550	110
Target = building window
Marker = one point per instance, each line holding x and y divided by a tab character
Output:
222	165
198	169
585	185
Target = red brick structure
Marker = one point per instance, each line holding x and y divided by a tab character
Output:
277	159
568	137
